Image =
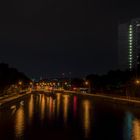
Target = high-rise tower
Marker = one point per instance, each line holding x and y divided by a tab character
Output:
129	44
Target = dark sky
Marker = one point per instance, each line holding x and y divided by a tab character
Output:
51	37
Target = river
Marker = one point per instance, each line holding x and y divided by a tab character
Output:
67	117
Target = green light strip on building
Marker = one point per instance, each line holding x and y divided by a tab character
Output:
130	51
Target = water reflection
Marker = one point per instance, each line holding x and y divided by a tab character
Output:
53	111
31	108
42	107
75	106
19	122
131	127
98	121
65	108
136	130
47	105
86	117
58	98
50	107
128	120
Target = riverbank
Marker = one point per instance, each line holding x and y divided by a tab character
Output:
13	98
131	101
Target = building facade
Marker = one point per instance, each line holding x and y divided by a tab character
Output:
129	45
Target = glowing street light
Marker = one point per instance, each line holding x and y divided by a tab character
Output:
86	83
66	83
137	82
31	83
20	82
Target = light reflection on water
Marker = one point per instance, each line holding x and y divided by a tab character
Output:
31	108
65	108
50	108
42	107
53	109
71	112
136	130
131	127
19	122
128	120
75	106
58	98
86	117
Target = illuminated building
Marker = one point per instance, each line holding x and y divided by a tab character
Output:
129	44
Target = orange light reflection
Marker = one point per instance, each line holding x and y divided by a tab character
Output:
19	122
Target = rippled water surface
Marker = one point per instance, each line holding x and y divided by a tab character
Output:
67	117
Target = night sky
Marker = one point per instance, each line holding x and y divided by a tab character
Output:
45	38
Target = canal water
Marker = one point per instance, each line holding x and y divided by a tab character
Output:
68	117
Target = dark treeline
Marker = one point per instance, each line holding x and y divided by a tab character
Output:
10	76
114	82
113	79
77	82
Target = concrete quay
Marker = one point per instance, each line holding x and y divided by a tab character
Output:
10	99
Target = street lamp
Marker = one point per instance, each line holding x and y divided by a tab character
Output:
20	83
31	83
87	83
137	82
